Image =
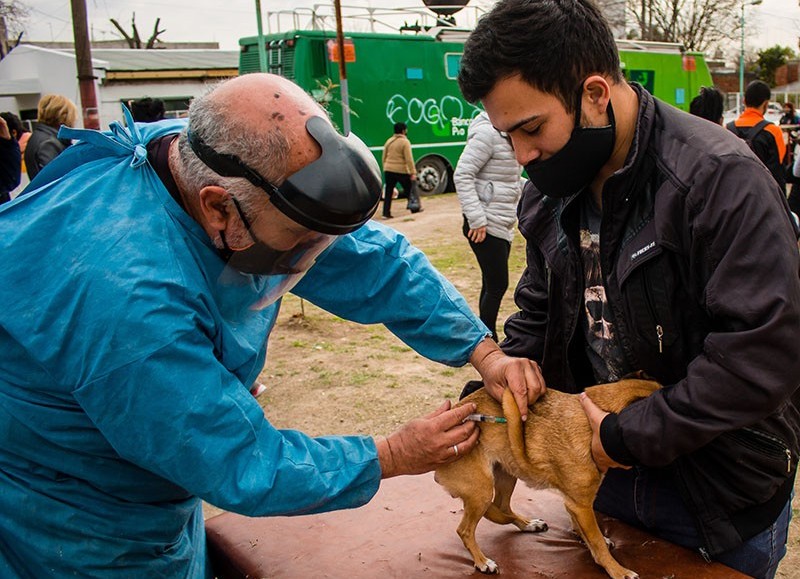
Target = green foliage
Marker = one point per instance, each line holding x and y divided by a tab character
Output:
770	59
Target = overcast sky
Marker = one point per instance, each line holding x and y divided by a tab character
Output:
770	23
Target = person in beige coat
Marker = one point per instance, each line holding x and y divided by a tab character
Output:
398	167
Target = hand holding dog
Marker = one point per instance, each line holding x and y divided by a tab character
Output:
429	442
520	375
596	415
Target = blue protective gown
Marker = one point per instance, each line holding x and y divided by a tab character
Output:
125	370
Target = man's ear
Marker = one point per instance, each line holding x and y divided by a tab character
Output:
214	205
596	94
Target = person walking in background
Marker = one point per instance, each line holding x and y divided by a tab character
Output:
10	162
147	110
398	167
44	145
20	134
788	122
708	104
763	137
487	179
789	116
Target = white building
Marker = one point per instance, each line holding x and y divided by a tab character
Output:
175	76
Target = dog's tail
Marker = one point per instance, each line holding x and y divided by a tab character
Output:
516	436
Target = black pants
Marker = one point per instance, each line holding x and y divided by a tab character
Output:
492	254
393	179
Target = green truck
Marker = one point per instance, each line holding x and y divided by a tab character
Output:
411	78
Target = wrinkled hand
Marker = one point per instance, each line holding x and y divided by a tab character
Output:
522	376
477	235
429	442
596	415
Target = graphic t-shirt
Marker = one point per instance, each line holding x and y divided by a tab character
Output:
602	346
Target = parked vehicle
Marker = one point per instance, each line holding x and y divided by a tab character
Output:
411	78
773	114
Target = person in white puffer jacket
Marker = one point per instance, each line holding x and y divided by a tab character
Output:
489	186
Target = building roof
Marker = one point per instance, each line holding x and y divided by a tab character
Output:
792	87
118	59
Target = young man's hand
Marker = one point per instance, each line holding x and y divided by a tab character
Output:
522	376
596	415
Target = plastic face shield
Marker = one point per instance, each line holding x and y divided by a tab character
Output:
332	196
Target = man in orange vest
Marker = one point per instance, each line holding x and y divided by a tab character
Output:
763	137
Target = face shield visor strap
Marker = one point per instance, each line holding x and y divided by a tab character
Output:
226	165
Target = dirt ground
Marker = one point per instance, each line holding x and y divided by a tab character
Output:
325	375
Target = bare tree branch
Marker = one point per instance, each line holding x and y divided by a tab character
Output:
154	37
128	39
133	39
697	24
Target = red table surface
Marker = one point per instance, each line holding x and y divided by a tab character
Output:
409	529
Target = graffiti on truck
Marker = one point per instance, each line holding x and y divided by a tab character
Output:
449	116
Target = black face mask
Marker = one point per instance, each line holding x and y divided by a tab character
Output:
262	259
577	163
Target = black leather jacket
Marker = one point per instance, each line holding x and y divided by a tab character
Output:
700	267
43	146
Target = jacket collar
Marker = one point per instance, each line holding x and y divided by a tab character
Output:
645	125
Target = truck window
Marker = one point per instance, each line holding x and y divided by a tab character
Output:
319	55
452	62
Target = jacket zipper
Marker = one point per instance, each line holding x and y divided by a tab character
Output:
778	442
659	328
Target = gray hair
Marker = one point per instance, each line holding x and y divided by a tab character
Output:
266	152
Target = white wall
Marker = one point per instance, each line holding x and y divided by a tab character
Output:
110	95
55	72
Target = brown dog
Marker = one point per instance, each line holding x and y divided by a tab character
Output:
553	451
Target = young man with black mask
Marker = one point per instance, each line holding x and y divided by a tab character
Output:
653	243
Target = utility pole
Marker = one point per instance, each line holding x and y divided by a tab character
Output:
83	60
342	69
262	51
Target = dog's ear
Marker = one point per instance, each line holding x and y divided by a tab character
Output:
470	387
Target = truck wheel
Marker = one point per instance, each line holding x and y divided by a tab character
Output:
431	175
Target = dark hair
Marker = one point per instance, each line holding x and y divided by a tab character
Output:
14	124
399	128
756	93
147	110
708	104
552	44
789	104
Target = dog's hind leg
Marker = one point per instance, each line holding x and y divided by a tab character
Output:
585	522
477	499
500	511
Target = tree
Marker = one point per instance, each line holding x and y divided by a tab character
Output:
13	16
133	39
770	59
697	24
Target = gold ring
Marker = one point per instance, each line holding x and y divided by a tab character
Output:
455	448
